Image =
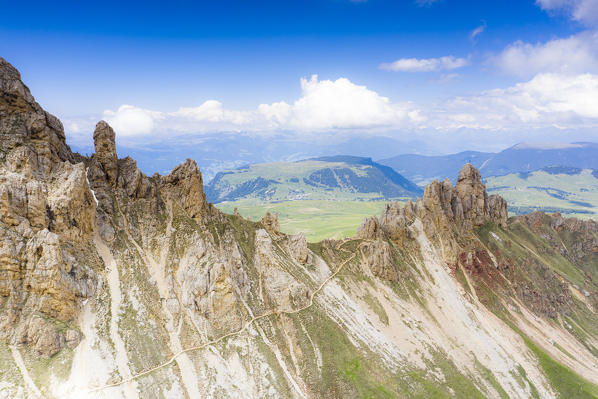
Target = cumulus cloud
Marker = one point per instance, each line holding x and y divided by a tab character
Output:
575	54
342	104
324	104
131	120
584	11
425	64
547	100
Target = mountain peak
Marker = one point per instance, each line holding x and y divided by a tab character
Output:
24	123
463	206
10	82
469	175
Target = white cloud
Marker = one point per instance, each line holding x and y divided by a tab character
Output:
342	104
277	113
425	64
477	31
575	54
324	104
584	11
213	111
547	100
132	121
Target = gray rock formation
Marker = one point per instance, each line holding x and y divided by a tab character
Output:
270	222
46	223
443	210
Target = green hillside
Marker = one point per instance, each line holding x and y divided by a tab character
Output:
318	219
331	178
326	197
570	191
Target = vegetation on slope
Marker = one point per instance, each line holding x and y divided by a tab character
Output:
570	191
331	178
317	219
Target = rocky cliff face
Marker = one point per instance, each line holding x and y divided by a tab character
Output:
47	216
118	284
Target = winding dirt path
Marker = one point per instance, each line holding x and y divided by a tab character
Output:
241	330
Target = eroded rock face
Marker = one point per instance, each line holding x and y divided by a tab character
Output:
498	210
47	220
184	185
377	256
472	195
282	290
298	247
24	123
370	229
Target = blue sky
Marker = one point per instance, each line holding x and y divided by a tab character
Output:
383	67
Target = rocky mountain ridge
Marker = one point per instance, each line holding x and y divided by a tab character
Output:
117	284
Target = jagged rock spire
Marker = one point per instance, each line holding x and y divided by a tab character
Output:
270	222
466	205
472	194
105	147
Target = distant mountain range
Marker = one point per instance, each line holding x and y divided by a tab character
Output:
522	157
224	151
333	177
343	177
220	151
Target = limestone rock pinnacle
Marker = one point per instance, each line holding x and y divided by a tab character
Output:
270	222
473	195
105	147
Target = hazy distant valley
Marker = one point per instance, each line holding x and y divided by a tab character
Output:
327	197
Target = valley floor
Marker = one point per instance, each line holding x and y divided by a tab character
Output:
318	219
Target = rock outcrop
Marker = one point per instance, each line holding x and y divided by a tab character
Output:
28	134
378	258
184	185
443	210
270	222
46	224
